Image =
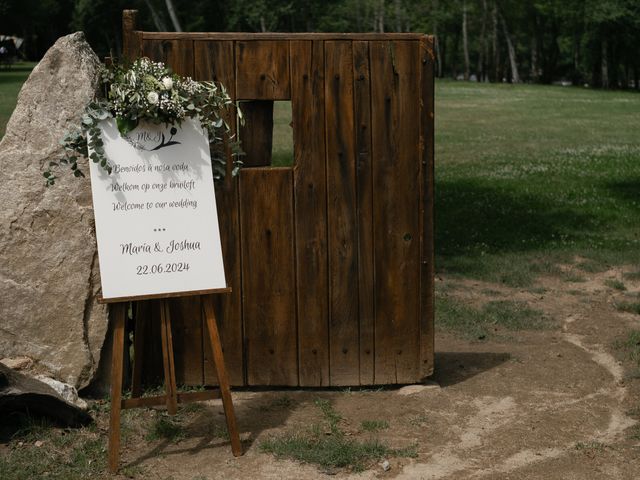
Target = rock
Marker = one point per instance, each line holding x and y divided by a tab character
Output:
17	363
386	466
413	389
66	391
48	262
20	393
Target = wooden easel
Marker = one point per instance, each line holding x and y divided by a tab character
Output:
171	398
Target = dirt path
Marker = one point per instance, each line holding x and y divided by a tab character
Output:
554	403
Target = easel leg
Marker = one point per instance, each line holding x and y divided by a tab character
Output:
218	360
167	356
138	348
118	312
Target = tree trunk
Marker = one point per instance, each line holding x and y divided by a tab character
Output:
398	11
379	17
604	64
576	59
534	59
157	21
437	41
172	14
453	58
483	44
515	77
496	49
465	41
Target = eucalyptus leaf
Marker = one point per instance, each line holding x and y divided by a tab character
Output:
125	125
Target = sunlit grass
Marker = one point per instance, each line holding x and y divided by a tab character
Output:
11	80
528	173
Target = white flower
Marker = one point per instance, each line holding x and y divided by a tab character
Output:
153	98
167	83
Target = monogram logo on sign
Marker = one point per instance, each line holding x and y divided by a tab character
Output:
151	139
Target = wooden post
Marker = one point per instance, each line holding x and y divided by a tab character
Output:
223	381
117	312
130	40
167	357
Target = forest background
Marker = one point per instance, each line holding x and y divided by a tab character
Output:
581	42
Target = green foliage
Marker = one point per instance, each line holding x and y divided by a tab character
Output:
374	425
630	346
11	81
331	449
148	91
521	189
165	428
615	284
492	317
629	306
38	450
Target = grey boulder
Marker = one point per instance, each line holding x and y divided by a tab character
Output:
49	275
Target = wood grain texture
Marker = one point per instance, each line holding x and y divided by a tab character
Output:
262	70
427	248
395	126
270	36
268	276
177	54
140	339
215	61
131	39
310	203
117	312
168	358
223	380
187	342
364	187
341	213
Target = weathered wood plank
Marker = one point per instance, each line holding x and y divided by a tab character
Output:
395	127
186	319
268	276
152	355
427	292
118	318
310	197
262	70
131	39
366	287
215	61
341	214
280	36
177	54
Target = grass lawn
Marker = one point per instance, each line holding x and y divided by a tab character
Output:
529	176
11	80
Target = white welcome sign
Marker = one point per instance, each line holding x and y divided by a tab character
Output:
156	219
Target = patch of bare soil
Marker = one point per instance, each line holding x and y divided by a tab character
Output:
555	404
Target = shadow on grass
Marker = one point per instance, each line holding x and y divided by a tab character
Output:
456	367
13	77
473	219
627	190
208	426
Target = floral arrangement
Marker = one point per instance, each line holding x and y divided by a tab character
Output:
148	91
